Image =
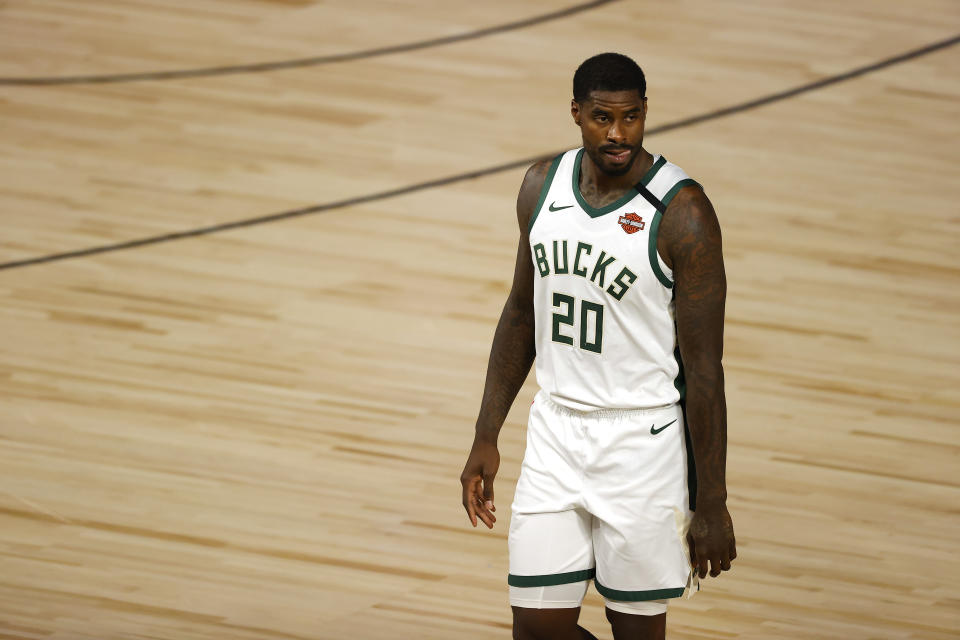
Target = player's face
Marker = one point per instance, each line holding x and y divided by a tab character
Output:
612	126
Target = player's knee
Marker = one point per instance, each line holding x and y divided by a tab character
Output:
545	624
640	624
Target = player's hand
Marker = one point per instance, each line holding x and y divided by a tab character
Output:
711	539
477	481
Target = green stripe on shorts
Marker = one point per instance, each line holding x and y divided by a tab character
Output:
551	579
637	596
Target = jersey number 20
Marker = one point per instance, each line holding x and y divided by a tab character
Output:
591	316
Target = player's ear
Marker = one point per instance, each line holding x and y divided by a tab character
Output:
575	111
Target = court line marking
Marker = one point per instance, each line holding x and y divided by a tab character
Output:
479	173
261	67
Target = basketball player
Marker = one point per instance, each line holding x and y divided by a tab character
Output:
619	292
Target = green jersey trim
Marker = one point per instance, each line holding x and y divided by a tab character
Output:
676	189
652	251
652	171
631	193
655	228
638	596
544	190
550	580
680	382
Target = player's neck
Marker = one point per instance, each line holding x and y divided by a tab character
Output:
602	183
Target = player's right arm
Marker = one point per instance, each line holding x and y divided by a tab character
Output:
511	357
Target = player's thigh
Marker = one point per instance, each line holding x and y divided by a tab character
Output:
551	564
641	510
637	626
549	549
546	624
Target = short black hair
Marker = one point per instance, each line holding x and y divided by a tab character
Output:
608	72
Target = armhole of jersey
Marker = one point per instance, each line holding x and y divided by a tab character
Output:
545	190
675	189
660	269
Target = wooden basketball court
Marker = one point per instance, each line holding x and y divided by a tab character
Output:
256	431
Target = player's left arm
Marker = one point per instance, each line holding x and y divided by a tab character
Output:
689	241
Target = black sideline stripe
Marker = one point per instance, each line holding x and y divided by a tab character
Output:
430	184
261	67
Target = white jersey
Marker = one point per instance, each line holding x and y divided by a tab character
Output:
603	297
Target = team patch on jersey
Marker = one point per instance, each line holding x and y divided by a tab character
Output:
632	223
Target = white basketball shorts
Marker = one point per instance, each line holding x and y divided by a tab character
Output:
602	495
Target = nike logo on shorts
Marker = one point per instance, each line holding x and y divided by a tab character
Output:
656	431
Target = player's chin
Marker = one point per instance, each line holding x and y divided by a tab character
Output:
612	168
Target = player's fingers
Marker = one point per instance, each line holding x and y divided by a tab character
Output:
699	558
488	492
733	550
703	559
715	566
693	554
702	567
470	501
471	513
478	505
483	513
701	562
485	516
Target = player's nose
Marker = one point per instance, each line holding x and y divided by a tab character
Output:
615	133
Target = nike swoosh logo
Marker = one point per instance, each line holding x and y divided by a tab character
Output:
552	208
656	431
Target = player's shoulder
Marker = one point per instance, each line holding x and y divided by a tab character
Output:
689	216
690	224
664	179
676	190
536	177
533	183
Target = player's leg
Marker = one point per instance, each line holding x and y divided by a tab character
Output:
641	513
637	627
548	624
551	563
640	623
551	547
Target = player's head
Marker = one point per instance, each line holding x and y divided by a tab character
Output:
610	107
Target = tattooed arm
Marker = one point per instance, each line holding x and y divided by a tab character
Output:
511	356
689	241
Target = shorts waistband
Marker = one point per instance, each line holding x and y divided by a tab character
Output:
544	397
